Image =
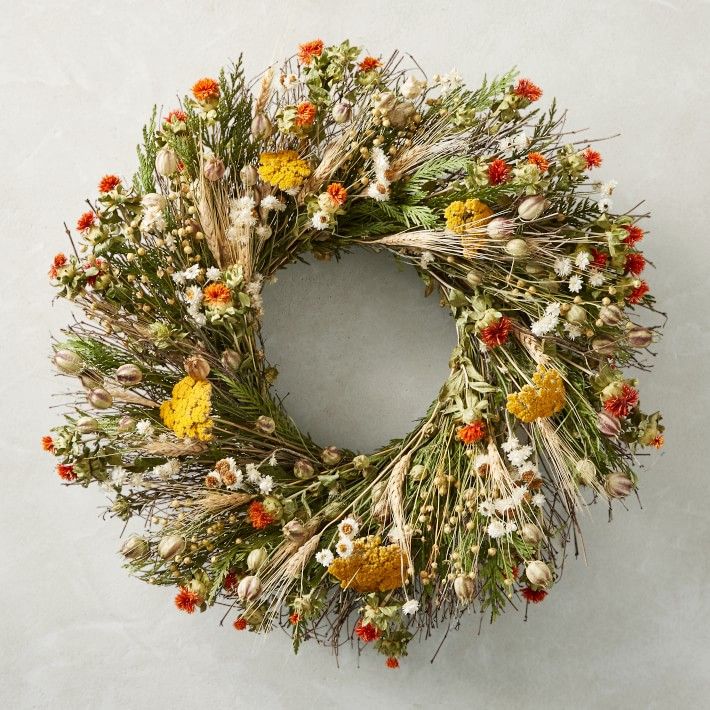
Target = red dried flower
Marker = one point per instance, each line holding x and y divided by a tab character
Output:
392	662
369	63
65	471
240	624
635	234
498	171
473	432
366	632
205	90
86	222
593	158
175	116
57	263
48	444
636	296
621	404
635	263
527	90
258	516
599	258
187	601
305	114
496	333
337	193
109	182
540	160
533	595
308	50
658	441
231	581
294	618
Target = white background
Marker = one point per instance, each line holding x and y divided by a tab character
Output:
362	356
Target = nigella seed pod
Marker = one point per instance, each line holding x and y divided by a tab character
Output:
531	207
609	425
331	456
640	337
538	573
166	161
342	111
249	588
231	360
126	424
465	588
271	374
473	278
256	558
134	548
531	533
294	531
418	472
603	346
303	469
171	545
361	462
197	367
611	315
273	507
129	375
249	175
266	425
618	485
586	471
68	362
576	314
87	425
213	169
261	127
517	248
99	398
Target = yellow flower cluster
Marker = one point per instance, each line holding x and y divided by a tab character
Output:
371	567
188	412
462	217
284	169
543	399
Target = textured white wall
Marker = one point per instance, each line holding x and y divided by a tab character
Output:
629	630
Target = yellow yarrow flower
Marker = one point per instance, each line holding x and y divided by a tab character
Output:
542	399
283	169
187	413
371	567
462	217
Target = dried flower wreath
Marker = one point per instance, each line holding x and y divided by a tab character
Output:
489	200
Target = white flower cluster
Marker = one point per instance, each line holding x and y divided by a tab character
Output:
448	82
166	471
563	268
324	217
549	320
235	479
244	214
347	530
379	189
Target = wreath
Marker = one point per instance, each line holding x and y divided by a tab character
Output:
489	199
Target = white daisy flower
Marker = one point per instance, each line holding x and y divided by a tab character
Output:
348	527
344	547
192	272
575	284
253	475
144	427
487	508
118	475
521	141
213	273
242	204
538	499
606	188
511	444
548	322
199	318
193	295
496	529
411	606
510	527
325	557
179	278
426	258
519	457
596	279
170	243
266	485
263	231
270	202
518	493
573	331
503	504
583	259
320	220
562	266
272	460
378	191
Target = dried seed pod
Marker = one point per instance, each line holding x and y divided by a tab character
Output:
166	161
294	531
197	367
611	315
213	169
256	558
517	248
303	469
609	425
261	127
331	456
249	175
465	588
618	485
249	588
531	533
68	362
266	425
99	398
134	548
126	424
531	207
87	425
640	337
231	360
129	375
538	573
171	545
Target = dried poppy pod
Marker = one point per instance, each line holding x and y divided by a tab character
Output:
197	367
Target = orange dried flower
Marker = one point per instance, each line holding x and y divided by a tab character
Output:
471	433
217	295
369	64
308	50
498	171
539	160
294	618
206	90
240	624
305	114
658	441
337	193
65	471
108	183
187	601
366	632
593	158
57	263
86	222
175	116
496	333
527	90
258	516
634	234
392	662
48	444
